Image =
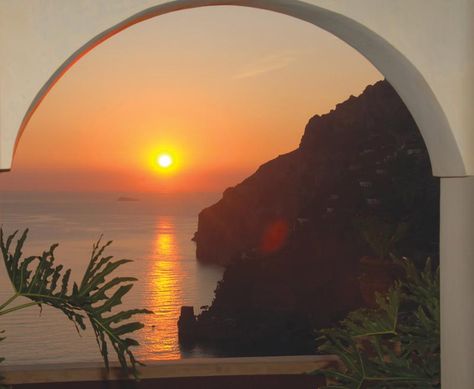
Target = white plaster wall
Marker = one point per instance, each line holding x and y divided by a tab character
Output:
37	36
457	286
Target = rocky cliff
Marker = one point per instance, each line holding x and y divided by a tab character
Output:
340	169
293	234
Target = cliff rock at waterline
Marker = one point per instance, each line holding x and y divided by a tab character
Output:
299	235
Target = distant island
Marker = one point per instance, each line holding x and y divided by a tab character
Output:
307	237
124	198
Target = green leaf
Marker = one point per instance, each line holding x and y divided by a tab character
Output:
394	346
47	283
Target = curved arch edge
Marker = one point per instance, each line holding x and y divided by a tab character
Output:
445	154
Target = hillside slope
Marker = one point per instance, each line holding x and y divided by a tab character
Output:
293	234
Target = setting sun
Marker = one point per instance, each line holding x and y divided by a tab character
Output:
164	160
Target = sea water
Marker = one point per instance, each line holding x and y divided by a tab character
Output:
155	230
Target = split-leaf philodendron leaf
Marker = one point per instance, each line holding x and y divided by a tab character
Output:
42	281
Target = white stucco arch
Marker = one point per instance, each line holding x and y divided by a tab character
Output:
423	47
446	156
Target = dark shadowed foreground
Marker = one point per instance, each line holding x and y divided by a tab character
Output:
301	381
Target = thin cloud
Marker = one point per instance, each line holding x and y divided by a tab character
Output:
266	65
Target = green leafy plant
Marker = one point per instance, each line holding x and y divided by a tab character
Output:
396	345
382	236
40	280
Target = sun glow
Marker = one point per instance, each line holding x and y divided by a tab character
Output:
164	160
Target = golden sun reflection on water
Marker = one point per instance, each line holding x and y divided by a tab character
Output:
164	293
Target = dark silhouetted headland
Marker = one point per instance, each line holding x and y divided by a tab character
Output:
306	238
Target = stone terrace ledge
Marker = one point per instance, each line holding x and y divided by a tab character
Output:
202	367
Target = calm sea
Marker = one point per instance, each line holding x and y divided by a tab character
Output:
154	231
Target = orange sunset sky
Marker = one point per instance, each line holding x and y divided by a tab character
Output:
220	89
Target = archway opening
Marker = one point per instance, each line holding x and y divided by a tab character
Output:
277	232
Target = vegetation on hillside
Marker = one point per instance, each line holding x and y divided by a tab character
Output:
358	189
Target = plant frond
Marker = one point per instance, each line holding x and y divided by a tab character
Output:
39	279
395	345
